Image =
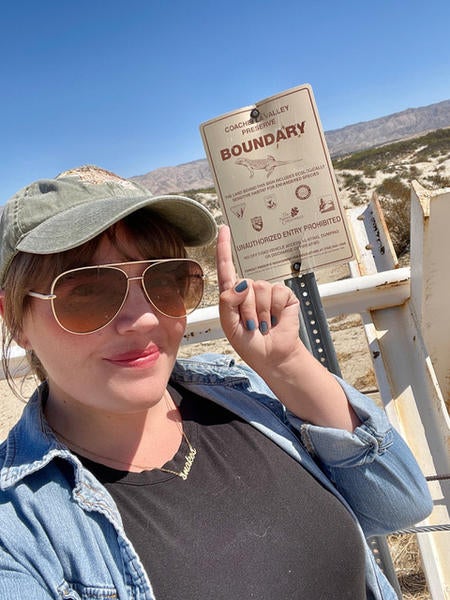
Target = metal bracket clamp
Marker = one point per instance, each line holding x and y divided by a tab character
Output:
314	330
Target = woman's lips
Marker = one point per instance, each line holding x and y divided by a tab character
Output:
135	358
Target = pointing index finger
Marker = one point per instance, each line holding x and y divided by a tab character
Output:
226	272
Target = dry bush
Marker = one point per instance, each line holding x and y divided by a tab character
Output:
397	216
405	556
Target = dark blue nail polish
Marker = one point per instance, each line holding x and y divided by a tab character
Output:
250	324
263	327
241	286
273	321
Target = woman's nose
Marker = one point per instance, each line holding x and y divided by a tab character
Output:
137	311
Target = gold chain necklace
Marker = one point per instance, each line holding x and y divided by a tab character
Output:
189	458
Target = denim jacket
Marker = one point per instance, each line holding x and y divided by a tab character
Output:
61	535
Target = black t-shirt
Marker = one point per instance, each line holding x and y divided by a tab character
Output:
248	522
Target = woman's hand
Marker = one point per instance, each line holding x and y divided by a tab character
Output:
259	319
261	323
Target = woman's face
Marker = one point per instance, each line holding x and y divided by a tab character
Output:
121	369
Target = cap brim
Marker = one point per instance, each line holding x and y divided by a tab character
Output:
85	221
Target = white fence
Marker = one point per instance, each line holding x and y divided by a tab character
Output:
405	316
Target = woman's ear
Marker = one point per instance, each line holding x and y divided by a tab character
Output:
2	303
21	339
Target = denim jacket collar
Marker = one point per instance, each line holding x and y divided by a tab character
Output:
31	443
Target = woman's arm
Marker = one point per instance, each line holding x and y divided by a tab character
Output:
350	438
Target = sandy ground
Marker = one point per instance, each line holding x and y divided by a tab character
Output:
11	407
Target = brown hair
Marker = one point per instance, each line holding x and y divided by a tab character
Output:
152	236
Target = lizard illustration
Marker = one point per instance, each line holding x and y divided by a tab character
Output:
266	164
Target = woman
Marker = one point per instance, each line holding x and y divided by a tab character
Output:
132	474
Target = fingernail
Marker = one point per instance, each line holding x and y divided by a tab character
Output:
273	321
241	286
250	324
263	327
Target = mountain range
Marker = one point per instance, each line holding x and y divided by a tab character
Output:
411	122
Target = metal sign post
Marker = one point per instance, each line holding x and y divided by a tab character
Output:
314	330
315	334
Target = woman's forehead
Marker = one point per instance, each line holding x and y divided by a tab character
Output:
116	246
122	242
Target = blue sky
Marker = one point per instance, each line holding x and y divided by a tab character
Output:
125	84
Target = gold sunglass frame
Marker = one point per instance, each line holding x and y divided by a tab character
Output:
117	266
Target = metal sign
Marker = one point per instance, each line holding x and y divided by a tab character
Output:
275	181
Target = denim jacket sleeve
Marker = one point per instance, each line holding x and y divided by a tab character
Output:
16	583
371	467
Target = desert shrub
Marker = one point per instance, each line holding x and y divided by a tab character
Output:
357	199
370	171
397	213
396	204
193	193
420	159
436	142
438	180
393	187
414	172
354	181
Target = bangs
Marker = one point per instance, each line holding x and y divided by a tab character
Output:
150	235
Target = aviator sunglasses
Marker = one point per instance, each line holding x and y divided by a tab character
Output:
87	299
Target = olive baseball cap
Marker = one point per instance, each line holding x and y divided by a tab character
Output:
53	215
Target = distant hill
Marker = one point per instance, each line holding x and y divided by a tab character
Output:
410	122
360	136
193	175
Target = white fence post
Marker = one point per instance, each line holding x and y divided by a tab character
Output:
430	276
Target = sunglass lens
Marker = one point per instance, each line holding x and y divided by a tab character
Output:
87	299
174	287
